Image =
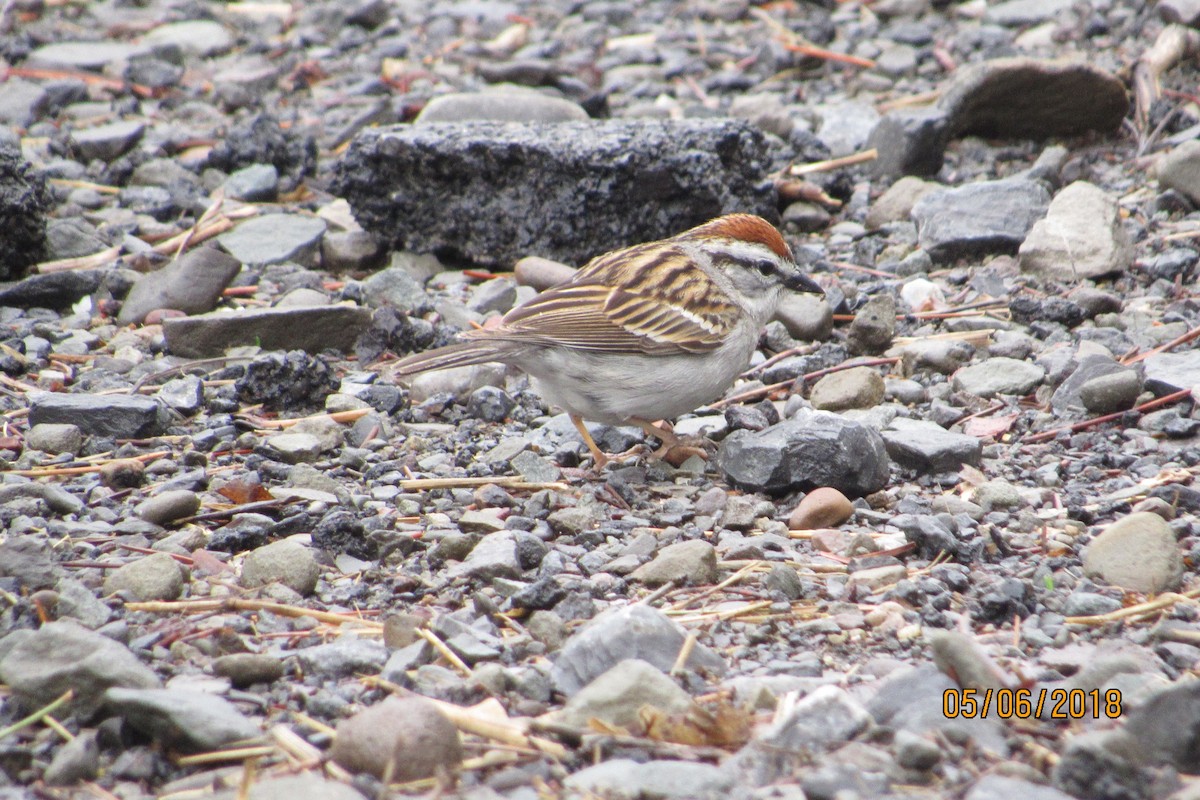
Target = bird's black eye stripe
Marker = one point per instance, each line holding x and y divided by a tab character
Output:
766	266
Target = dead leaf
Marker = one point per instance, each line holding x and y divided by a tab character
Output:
989	427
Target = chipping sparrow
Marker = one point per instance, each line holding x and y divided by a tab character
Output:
644	333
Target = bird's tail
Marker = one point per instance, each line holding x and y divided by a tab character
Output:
463	354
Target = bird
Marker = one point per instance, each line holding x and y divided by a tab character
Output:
643	333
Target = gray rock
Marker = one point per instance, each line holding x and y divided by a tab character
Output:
64	655
395	287
274	239
1104	764
311	329
988	217
305	786
78	602
287	562
689	563
807	317
535	468
53	437
621	633
495	557
257	183
166	507
625	779
192	284
1067	396
185	395
1089	604
201	37
77	760
1081	236
107	142
1116	391
344	656
58	499
115	415
1137	552
188	720
91	56
618	695
407	738
814	449
56	290
911	700
499	295
22	102
1179	169
825	718
72	237
910	142
1002	787
153	577
874	326
858	387
295	448
928	447
916	752
1164	727
514	189
998	494
896	203
30	560
845	126
998	376
1172	372
1034	98
500	105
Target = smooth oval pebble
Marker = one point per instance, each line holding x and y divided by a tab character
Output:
821	508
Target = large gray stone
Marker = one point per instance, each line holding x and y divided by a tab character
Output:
275	238
493	193
625	779
1172	372
311	329
979	218
65	655
1137	552
117	415
192	284
813	450
1081	236
928	447
510	104
618	634
188	720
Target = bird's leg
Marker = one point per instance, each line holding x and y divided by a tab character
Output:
672	449
598	457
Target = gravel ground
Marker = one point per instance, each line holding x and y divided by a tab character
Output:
944	542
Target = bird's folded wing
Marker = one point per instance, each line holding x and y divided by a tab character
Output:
598	317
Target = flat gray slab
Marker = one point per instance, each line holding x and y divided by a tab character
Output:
311	329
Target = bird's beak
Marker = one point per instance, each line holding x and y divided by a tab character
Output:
799	282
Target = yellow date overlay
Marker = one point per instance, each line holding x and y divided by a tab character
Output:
1032	703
